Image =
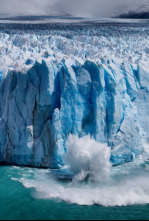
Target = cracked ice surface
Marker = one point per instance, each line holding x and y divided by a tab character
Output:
60	82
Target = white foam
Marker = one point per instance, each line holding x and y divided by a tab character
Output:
124	185
120	190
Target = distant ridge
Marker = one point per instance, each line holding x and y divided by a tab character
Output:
135	15
34	17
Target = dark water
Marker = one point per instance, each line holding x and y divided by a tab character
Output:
18	202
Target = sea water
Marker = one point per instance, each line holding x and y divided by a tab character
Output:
35	194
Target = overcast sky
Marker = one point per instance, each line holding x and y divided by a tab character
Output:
74	7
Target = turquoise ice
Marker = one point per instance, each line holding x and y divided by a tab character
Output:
39	109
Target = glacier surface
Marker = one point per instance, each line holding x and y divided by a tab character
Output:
58	83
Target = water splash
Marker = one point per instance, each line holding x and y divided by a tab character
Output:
123	185
87	158
128	185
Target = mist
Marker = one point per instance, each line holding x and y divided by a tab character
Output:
83	8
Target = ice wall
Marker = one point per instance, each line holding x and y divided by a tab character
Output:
40	108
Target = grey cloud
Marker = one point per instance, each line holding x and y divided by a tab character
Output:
29	7
86	8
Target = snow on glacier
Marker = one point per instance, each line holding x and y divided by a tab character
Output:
59	83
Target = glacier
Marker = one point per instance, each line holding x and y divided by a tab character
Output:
58	83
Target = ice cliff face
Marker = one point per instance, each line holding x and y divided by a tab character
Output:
40	108
48	100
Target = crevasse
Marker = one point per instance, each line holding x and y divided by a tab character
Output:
40	108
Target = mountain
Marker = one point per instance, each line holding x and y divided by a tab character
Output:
137	11
135	15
